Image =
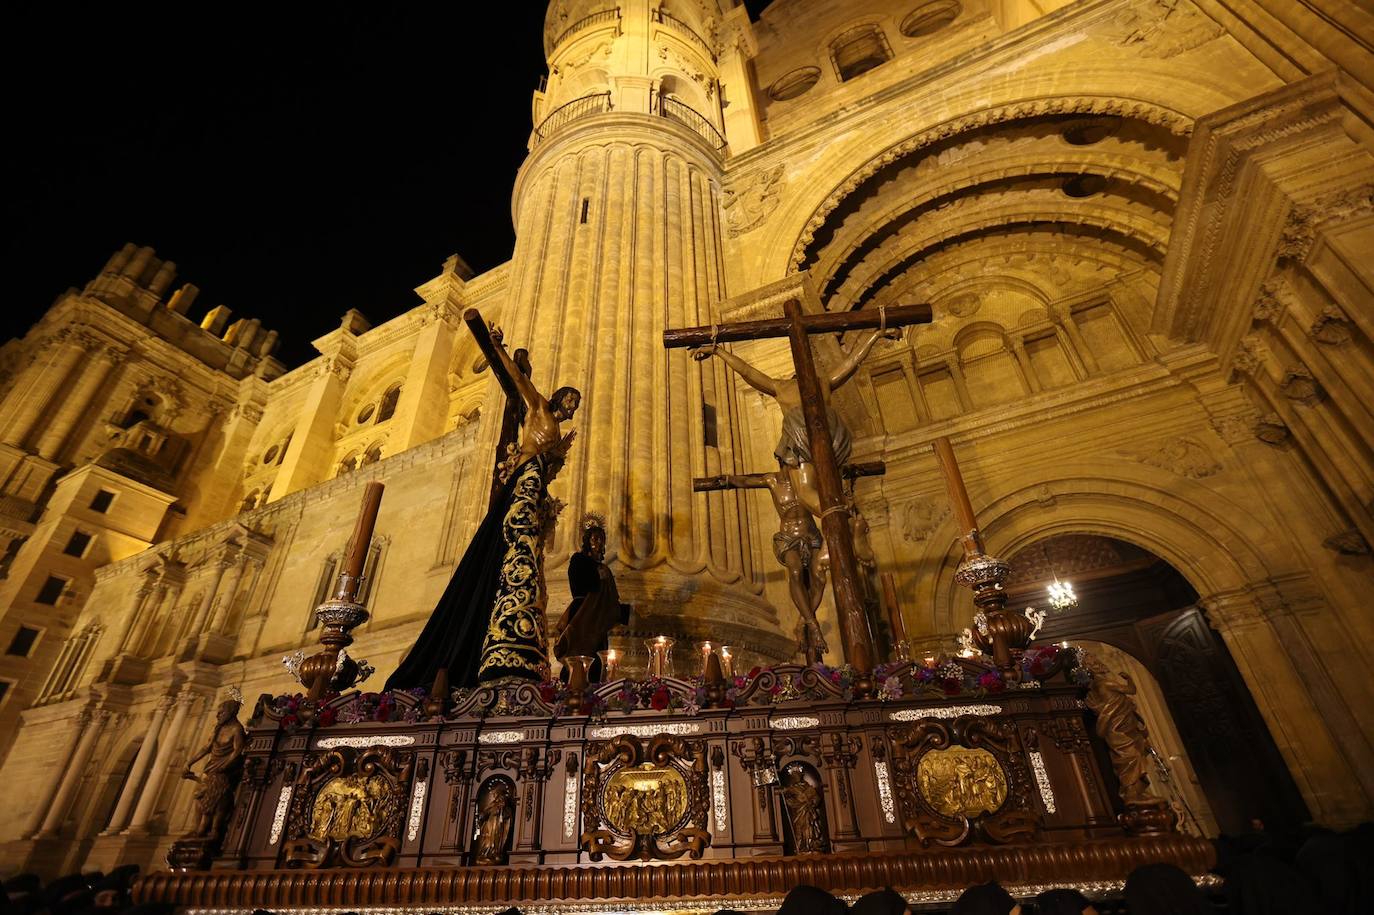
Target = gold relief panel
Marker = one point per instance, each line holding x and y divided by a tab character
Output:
959	782
346	808
646	800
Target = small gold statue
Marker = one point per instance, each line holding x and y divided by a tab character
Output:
495	816
803	802
215	793
1121	728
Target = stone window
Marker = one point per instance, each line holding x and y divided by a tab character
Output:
52	589
22	643
929	18
387	408
324	589
366	413
76	546
5	690
371	455
859	50
790	85
250	502
102	501
348	465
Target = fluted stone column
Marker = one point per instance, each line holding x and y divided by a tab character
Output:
166	748
55	776
71	777
129	794
227	595
619	237
35	400
93	374
208	598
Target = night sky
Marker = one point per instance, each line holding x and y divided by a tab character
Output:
294	164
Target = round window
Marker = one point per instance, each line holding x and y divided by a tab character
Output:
366	412
271	454
929	18
793	84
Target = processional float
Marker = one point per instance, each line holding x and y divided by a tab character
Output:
926	775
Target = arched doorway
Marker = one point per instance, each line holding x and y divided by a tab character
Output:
1132	600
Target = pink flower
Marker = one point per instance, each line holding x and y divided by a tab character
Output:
991	681
660	699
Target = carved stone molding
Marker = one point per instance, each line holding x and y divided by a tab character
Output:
1249	357
1306	220
1272	301
1332	327
1172	121
1298	385
1349	542
1271	429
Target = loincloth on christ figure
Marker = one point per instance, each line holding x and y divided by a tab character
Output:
796	531
794	447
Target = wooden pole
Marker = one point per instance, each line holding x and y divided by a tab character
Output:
958	497
844	568
362	539
894	610
782	327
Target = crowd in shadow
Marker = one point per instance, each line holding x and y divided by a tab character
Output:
1262	874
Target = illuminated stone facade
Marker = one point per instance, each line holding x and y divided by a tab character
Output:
1139	223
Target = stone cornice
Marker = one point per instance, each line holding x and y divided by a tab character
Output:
1193	303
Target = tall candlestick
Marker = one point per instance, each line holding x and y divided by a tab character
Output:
706	649
610	665
727	661
958	496
660	656
362	539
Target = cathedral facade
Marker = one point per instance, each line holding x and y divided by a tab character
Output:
1138	223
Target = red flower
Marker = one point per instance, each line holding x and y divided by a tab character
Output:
660	699
754	672
327	717
383	712
951	686
991	681
547	693
289	721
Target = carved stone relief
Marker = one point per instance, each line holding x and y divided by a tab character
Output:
752	198
1332	327
1161	29
1183	455
1271	429
1299	385
920	517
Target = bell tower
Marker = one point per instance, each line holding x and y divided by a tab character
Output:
618	236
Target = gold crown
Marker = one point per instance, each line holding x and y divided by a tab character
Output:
592	520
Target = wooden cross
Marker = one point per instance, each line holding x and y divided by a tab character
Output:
796	326
513	413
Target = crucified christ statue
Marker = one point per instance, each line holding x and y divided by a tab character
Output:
489	626
799	547
794	448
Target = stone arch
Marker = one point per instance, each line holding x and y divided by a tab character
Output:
1184	523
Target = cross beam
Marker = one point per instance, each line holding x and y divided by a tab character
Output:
832	322
850	472
834	515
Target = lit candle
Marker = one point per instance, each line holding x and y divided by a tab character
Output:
705	648
610	665
727	661
660	656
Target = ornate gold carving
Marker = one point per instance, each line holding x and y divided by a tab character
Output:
949	799
347	809
645	802
515	639
959	782
645	799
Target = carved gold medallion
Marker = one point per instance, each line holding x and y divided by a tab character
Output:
961	782
646	800
349	807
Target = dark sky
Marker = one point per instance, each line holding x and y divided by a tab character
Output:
294	163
